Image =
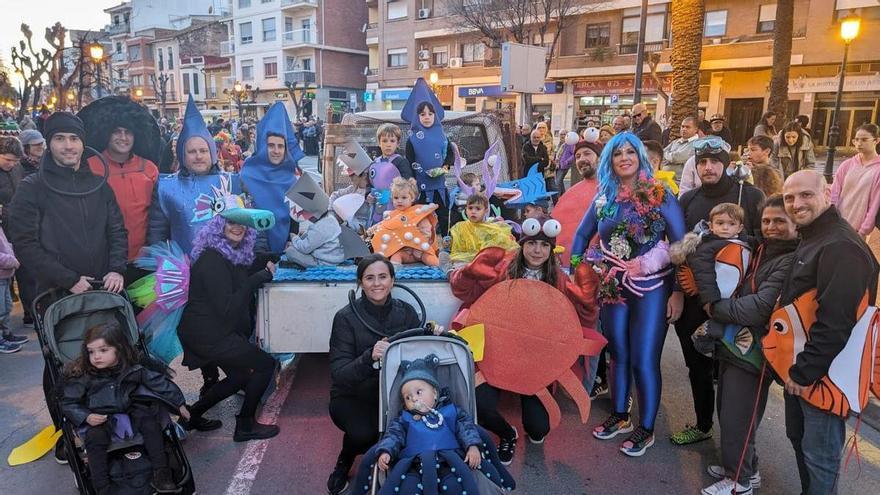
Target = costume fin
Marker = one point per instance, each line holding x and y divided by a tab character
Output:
576	391
475	335
551	406
38	446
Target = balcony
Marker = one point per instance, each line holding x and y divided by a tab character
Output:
227	48
211	94
372	71
299	38
299	76
114	29
297	4
650	46
118	57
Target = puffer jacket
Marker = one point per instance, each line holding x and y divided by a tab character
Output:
789	159
771	266
112	391
702	264
8	185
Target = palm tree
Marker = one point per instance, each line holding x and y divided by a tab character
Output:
687	46
782	33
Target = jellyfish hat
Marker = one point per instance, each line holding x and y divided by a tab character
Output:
428	143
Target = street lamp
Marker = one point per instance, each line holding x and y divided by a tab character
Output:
849	30
96	51
139	93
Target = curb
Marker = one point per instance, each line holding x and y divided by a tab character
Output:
871	415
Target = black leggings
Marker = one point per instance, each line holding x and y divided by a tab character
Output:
250	370
144	420
358	418
535	419
700	367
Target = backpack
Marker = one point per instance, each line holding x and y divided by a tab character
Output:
130	473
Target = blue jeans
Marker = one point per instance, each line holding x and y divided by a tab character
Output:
817	438
5	305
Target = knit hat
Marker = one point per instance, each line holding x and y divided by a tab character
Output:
540	229
596	147
712	147
421	369
64	122
718	154
31	136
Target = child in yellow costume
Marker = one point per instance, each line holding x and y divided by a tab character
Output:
407	234
474	234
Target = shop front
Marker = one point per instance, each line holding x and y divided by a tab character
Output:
598	101
859	105
394	99
479	98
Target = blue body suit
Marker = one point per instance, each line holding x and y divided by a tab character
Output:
636	327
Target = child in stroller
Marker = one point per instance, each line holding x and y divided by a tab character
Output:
111	398
427	441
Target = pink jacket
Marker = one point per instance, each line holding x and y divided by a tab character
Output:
867	224
8	263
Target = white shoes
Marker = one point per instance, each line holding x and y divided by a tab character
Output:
717	472
726	487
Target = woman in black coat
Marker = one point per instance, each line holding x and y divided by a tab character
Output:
355	353
216	324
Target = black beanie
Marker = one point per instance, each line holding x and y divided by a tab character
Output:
63	122
721	155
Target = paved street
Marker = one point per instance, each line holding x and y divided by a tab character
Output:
299	460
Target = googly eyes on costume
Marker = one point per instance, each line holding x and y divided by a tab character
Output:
552	228
372	173
781	326
531	227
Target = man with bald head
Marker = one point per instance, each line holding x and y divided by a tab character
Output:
644	126
833	260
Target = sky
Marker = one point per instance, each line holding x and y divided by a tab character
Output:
40	14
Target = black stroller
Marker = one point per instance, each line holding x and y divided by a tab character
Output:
61	319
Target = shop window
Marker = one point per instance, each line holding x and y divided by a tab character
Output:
472	52
440	55
598	35
396	10
716	24
397	58
766	18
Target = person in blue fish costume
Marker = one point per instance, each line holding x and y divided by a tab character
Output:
428	150
273	170
184	201
433	446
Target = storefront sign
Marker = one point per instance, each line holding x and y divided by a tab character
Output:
396	94
829	84
620	86
479	91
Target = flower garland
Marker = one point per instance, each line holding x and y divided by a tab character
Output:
641	224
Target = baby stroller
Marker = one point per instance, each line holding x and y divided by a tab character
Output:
61	319
456	375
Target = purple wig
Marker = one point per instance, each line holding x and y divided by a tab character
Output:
212	236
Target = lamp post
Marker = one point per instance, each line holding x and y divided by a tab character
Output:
96	51
849	29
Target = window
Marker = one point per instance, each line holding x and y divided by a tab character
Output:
307	64
116	20
195	85
397	58
269	29
247	70
290	64
472	52
118	47
270	67
170	58
134	53
246	32
655	26
288	24
148	53
267	1
306	30
440	55
185	84
716	24
120	74
243	4
161	60
598	35
396	10
137	80
766	18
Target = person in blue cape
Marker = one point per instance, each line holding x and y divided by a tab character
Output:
428	150
273	170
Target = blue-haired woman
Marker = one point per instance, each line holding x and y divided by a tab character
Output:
635	217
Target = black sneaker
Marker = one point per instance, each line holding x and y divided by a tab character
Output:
8	347
506	448
15	339
600	388
60	452
199	423
338	480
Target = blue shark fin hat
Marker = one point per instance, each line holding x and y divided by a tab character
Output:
194	126
424	369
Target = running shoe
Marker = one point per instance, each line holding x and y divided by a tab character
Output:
600	388
60	452
613	426
506	448
726	487
7	347
535	441
338	480
15	339
690	434
638	442
718	473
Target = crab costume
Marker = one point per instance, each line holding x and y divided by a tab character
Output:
184	201
636	280
414	229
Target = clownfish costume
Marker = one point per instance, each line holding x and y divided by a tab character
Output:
854	371
400	230
731	264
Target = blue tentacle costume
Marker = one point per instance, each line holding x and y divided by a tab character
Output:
635	326
268	183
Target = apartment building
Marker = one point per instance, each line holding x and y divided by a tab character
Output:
276	45
591	76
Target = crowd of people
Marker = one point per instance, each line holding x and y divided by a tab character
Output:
654	233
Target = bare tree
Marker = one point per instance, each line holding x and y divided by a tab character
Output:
61	76
782	33
538	22
653	62
32	65
160	88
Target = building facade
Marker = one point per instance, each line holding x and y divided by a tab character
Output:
279	47
591	75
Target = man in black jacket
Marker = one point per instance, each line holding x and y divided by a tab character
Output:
717	187
534	152
833	260
644	126
67	227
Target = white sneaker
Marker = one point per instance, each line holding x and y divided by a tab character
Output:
726	487
718	473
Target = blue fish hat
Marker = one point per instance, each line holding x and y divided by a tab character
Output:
194	126
429	143
424	369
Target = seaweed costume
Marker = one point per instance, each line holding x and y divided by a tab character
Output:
267	183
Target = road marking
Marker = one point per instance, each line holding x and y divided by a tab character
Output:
249	465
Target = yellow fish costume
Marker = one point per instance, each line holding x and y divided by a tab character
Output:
469	238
